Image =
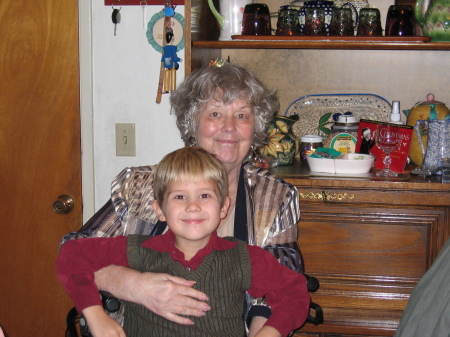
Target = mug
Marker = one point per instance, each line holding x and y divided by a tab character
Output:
369	22
230	17
256	20
342	22
400	21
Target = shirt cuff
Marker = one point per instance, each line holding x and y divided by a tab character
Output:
258	310
84	298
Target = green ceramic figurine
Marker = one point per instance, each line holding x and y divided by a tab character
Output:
281	141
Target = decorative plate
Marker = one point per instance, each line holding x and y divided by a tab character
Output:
316	111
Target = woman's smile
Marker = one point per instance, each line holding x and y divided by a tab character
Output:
226	130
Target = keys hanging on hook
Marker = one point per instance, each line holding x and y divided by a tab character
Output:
144	13
115	17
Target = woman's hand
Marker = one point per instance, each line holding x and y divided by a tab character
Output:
167	296
100	324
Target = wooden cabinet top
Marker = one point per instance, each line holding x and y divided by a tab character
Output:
299	174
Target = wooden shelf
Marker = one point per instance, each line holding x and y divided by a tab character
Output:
119	3
321	44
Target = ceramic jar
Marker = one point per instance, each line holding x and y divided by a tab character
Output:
281	144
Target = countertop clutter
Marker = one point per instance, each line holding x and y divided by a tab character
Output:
404	181
344	125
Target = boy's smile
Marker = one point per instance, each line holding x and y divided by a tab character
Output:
192	211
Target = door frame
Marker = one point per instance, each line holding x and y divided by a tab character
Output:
86	108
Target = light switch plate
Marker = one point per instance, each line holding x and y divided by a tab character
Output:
125	139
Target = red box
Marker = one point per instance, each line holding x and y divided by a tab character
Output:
399	156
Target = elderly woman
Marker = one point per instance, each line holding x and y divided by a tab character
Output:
227	111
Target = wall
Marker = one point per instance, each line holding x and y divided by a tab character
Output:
124	74
407	76
123	71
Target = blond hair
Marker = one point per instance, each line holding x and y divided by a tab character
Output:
191	163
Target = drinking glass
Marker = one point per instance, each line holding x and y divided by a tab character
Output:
256	20
400	21
288	23
342	22
388	140
369	22
444	153
445	162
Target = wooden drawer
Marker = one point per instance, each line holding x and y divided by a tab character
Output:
389	240
367	262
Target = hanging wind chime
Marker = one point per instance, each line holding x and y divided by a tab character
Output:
165	33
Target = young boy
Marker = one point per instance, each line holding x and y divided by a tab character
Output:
190	188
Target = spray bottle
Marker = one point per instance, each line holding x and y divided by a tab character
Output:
395	117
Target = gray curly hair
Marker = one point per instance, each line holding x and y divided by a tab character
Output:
227	83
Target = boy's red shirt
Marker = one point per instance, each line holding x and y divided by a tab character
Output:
284	289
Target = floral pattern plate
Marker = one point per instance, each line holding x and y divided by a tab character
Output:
316	111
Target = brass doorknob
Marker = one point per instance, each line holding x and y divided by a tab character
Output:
63	204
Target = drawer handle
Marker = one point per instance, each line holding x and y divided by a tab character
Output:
325	196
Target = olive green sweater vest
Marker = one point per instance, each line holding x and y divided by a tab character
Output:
223	275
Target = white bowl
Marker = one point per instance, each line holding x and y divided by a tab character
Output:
354	163
349	163
321	164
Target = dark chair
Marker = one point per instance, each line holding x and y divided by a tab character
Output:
76	325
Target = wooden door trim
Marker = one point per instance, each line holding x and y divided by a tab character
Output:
86	108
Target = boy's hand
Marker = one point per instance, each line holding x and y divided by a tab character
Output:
256	324
100	324
268	331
